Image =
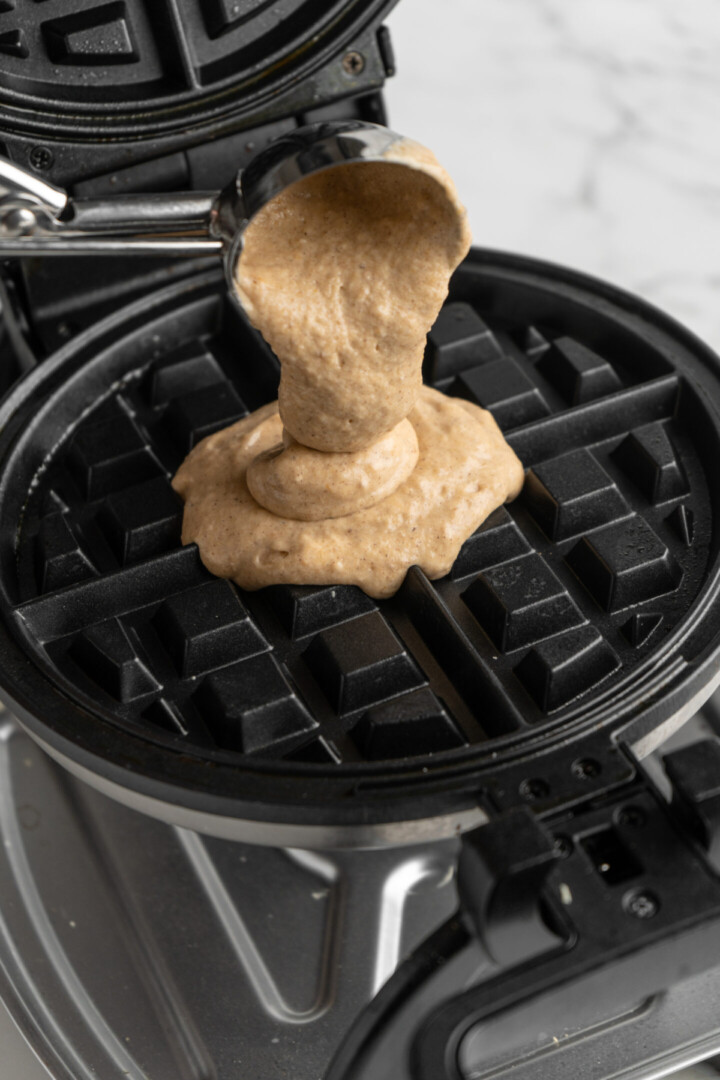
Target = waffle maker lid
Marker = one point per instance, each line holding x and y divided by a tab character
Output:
91	88
576	621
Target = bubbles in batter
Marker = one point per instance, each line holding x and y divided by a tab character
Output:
358	472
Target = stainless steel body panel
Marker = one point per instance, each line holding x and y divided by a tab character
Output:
130	948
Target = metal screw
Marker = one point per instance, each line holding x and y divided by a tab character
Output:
353	63
532	790
563	847
41	158
631	815
642	905
586	768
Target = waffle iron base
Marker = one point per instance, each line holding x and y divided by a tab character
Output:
576	621
131	949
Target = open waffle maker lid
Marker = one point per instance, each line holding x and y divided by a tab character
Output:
138	67
578	620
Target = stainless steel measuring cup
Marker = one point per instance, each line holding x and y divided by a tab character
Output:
37	218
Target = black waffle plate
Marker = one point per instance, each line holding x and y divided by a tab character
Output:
582	611
105	68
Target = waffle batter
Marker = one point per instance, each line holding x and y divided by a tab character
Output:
357	472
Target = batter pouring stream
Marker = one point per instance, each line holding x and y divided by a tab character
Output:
357	472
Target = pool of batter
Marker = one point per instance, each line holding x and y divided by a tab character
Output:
357	472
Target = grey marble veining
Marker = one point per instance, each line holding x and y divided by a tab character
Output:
581	132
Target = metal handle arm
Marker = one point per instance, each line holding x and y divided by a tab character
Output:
72	244
19	186
182	213
39	219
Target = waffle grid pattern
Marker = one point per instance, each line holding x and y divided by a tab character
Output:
555	598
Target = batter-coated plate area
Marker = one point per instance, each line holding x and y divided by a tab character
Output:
581	610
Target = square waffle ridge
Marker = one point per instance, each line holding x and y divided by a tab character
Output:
556	601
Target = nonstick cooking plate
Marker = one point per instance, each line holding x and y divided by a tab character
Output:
577	618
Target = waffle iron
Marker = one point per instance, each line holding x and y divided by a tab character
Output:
502	715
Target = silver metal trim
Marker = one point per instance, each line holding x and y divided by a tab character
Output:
20	186
311	151
280	834
78	244
647	744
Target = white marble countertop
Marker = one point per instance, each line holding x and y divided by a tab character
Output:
581	132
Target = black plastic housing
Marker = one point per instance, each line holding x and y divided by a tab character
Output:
102	88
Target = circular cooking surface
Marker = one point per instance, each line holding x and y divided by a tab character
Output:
112	67
580	611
